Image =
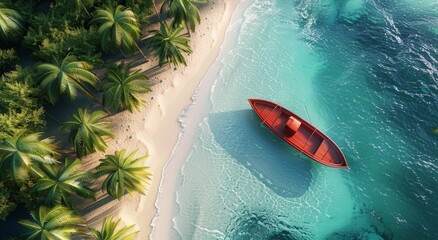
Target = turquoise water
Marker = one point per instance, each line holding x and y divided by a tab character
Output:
363	71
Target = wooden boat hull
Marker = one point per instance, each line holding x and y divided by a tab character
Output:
300	134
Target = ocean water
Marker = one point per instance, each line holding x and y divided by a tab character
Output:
366	73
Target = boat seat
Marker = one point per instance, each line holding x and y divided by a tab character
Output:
293	124
322	150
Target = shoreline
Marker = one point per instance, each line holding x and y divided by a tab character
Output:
167	200
155	129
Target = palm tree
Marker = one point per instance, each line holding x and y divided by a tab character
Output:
88	132
169	44
123	173
59	182
11	22
55	223
122	90
118	28
24	150
183	11
67	77
112	230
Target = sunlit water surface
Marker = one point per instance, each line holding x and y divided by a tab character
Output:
363	71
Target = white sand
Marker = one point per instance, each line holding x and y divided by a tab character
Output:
154	129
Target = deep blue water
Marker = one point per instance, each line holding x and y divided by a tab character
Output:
366	71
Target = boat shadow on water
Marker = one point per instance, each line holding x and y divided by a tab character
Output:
273	162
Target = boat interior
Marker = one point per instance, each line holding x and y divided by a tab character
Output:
305	138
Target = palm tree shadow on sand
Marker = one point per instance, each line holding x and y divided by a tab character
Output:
276	164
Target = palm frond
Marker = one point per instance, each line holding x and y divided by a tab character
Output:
66	77
124	174
123	89
11	23
88	131
118	28
21	151
168	44
114	230
52	223
59	182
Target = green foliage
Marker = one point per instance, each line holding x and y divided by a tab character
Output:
15	94
23	195
51	37
40	28
59	182
168	45
122	89
19	106
78	41
124	174
23	75
141	8
26	8
66	77
183	12
77	9
435	130
6	203
21	151
88	132
8	59
11	23
52	223
113	230
15	121
117	28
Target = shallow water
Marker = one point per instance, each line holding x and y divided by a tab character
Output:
364	72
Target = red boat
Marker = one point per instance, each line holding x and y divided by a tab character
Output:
299	133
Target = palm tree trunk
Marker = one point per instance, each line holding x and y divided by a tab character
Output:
107	110
52	117
156	10
139	49
85	9
88	93
188	28
122	53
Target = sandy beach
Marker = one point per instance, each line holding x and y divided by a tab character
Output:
155	128
368	84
